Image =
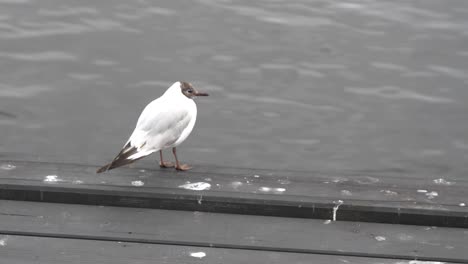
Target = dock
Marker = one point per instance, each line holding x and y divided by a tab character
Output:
66	213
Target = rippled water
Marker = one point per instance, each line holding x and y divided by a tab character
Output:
312	85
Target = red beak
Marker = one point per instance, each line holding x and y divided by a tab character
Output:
197	93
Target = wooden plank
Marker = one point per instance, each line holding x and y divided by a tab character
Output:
37	250
366	197
229	231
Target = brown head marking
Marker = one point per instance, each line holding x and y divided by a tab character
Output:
189	91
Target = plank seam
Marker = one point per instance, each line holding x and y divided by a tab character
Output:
231	246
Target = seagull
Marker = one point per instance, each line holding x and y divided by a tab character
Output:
164	123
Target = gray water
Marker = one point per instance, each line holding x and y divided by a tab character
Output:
370	85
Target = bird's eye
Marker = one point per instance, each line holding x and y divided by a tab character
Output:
190	91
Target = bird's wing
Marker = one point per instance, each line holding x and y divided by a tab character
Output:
160	125
121	159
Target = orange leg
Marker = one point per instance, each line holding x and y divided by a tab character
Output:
164	164
179	167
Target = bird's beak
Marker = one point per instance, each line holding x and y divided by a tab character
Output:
197	93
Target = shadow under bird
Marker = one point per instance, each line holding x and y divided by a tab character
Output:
164	123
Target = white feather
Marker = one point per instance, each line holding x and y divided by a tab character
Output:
164	123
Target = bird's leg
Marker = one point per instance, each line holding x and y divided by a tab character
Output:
164	164
179	167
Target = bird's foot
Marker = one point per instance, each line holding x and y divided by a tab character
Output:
166	164
183	167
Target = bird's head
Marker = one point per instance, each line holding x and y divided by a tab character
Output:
188	90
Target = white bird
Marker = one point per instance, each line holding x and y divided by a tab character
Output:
164	123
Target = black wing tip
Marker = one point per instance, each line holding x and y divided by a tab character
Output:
103	168
121	159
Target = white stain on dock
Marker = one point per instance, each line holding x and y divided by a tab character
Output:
404	237
7	166
273	190
196	186
442	182
339	180
199	255
380	238
335	208
367	180
432	195
235	185
346	193
279	190
3	241
284	181
138	183
422	262
389	193
51	179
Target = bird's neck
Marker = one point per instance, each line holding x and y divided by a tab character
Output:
174	93
174	90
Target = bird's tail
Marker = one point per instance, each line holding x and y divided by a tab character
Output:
114	164
123	158
104	168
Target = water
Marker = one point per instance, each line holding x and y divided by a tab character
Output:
309	85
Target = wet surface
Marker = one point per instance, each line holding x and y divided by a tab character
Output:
309	85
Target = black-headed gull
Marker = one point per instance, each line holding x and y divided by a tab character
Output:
164	123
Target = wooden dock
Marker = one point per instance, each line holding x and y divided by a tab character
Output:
65	213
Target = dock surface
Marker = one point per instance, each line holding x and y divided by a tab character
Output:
65	213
